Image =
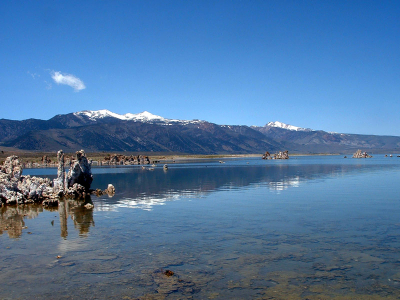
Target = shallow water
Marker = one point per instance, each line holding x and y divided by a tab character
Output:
304	228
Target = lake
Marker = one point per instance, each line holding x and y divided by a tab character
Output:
311	227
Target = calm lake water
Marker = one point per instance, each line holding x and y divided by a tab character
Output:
304	228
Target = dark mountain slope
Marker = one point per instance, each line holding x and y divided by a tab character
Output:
314	141
10	129
107	131
199	138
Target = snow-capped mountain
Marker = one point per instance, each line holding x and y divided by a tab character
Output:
104	113
145	116
103	130
278	124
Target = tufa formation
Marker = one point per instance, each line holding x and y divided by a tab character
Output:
360	154
278	155
18	189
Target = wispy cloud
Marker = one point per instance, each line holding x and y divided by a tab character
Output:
68	79
48	85
34	75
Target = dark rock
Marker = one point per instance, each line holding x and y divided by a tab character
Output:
97	192
266	155
80	172
50	202
76	191
168	273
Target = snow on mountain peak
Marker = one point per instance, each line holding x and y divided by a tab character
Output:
144	116
286	126
98	114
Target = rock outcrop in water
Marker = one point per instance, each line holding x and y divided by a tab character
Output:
18	189
266	155
278	155
125	160
12	167
80	172
59	182
360	154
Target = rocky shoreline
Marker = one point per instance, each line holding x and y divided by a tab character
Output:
17	189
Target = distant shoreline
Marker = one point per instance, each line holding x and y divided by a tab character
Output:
31	156
36	157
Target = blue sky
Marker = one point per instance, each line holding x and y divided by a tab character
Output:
329	65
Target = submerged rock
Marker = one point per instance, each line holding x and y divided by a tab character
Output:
169	273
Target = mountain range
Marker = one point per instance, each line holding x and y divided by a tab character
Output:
103	130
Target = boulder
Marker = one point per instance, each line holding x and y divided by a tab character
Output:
110	190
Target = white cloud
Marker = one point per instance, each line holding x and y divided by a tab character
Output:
68	79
